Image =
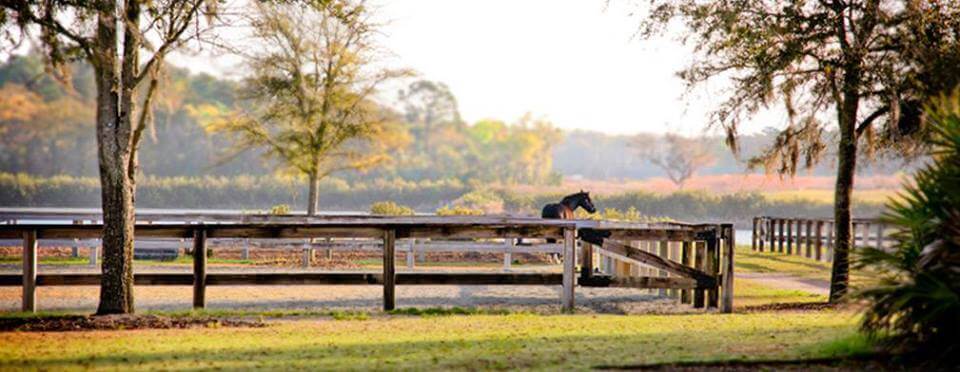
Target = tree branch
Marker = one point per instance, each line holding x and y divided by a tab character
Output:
870	119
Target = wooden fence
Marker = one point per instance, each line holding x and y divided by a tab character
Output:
812	238
700	275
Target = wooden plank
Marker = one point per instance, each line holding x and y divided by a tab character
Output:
442	278
700	249
753	235
650	234
300	278
389	270
666	266
642	282
808	253
199	269
685	260
29	299
569	263
726	305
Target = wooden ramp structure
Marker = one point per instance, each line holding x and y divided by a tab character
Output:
702	275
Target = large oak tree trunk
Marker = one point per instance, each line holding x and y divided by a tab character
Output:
846	169
115	149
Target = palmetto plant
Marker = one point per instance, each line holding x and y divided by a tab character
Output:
916	306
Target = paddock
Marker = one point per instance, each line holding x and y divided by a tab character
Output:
693	262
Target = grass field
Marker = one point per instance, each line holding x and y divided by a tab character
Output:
825	196
412	339
575	342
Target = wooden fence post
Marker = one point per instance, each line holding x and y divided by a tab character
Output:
809	240
507	257
713	267
831	226
75	250
780	237
818	241
569	263
753	236
700	253
789	236
880	228
685	256
664	252
94	248
389	269
305	259
726	306
770	231
853	231
763	234
199	268
29	302
411	258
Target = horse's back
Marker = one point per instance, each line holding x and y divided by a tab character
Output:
556	211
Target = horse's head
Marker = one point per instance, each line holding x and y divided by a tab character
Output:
586	203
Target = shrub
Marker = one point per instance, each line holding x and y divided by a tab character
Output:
280	209
457	210
389	208
484	200
916	306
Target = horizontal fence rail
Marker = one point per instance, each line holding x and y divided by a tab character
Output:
813	238
703	276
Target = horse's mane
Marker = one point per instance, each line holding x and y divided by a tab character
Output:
573	196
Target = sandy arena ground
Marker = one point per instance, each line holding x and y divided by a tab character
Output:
540	299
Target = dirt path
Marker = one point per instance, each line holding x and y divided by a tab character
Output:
787	281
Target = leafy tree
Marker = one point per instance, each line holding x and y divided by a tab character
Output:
680	158
428	104
309	101
915	306
870	63
111	35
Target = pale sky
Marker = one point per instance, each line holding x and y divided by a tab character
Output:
577	63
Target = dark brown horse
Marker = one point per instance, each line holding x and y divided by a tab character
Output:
565	208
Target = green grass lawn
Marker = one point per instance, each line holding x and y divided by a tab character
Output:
471	339
472	342
747	261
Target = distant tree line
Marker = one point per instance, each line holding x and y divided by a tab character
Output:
46	128
262	193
